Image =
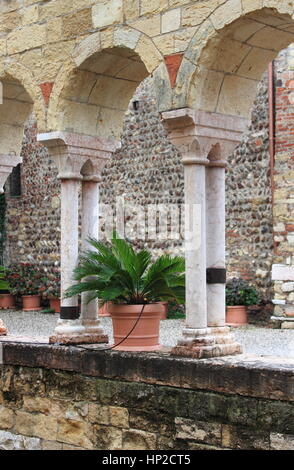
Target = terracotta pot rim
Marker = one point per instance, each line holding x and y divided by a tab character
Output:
136	308
135	305
32	295
236	306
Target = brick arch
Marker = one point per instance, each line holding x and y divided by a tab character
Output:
229	53
21	97
94	87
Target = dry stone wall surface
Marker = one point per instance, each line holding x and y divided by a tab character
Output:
47	409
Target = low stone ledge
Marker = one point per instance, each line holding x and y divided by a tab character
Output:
252	376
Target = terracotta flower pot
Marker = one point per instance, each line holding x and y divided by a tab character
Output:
145	336
103	311
236	315
164	313
31	303
55	305
7	301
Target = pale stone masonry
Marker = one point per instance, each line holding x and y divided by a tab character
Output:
97	401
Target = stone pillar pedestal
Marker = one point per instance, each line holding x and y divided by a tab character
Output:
207	342
78	158
204	139
7	163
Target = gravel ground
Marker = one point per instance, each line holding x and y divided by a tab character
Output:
258	341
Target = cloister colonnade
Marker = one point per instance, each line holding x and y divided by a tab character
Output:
78	67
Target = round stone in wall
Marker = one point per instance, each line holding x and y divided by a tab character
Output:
55	202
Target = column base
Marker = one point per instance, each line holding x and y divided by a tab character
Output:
92	327
207	342
74	332
3	330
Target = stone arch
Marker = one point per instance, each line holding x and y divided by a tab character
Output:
229	53
95	85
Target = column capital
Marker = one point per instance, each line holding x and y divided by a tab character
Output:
202	136
78	156
7	163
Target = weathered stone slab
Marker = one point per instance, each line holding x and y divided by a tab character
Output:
273	378
10	441
282	272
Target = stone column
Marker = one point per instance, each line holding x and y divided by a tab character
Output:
77	157
69	325
7	163
202	137
195	241
90	228
215	249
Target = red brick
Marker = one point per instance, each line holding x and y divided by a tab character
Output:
173	63
46	89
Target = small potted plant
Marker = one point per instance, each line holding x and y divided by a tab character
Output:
50	289
135	287
25	281
239	294
7	300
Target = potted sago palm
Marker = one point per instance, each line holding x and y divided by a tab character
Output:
134	287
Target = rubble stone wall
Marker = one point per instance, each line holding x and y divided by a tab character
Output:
33	219
283	269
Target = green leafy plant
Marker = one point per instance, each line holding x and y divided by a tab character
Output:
50	288
48	311
4	284
25	279
117	273
240	292
175	311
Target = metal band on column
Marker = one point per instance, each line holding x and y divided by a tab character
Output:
69	313
216	276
